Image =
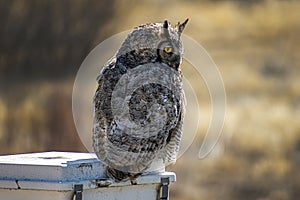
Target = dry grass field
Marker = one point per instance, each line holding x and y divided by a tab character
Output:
255	45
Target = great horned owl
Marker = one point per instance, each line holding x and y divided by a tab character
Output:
139	103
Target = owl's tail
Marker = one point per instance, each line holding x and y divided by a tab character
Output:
119	176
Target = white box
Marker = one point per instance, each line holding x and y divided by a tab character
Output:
66	176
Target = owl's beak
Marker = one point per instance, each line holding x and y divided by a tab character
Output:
180	27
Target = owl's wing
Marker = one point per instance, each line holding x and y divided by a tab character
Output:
175	134
102	107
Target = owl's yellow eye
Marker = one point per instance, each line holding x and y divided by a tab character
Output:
168	49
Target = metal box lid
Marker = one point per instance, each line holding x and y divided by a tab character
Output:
60	170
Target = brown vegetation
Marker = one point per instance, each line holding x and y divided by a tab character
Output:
255	45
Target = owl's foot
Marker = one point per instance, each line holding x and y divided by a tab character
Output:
133	178
133	181
119	176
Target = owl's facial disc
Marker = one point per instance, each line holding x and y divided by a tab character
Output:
168	54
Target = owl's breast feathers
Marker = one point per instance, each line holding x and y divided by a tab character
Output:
152	106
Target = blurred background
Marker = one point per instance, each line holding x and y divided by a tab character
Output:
255	45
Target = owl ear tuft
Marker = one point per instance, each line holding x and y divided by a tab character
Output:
165	30
180	27
166	24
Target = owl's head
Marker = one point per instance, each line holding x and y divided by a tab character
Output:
157	42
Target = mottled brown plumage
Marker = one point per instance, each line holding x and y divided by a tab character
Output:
139	102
